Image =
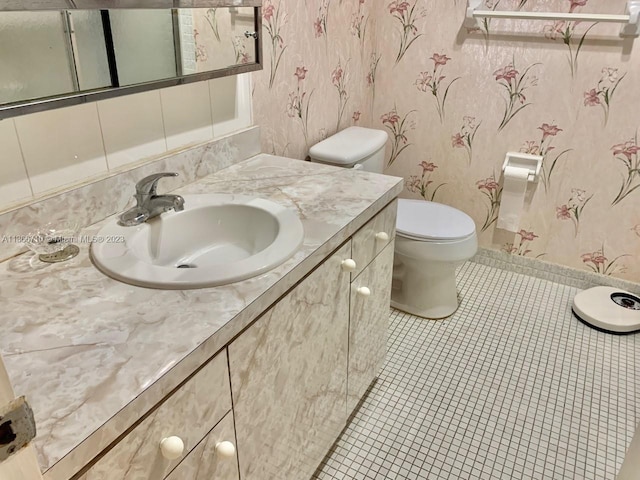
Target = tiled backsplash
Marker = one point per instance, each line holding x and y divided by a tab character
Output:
48	152
96	200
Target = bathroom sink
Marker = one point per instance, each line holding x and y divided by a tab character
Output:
217	239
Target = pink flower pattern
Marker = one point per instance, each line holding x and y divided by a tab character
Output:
359	22
432	82
602	94
338	79
549	130
299	102
422	183
572	210
464	138
201	52
301	73
591	98
565	30
576	3
273	20
240	50
486	22
598	262
544	148
627	153
515	84
398	128
406	13
492	191
522	247
371	74
320	23
268	10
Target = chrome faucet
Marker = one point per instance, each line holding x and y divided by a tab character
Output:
148	203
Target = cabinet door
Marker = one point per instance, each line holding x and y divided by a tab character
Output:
189	414
368	325
288	377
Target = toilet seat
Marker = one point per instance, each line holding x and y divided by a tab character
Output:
432	222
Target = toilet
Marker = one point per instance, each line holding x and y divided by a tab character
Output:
432	239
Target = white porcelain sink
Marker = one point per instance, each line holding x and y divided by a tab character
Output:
217	239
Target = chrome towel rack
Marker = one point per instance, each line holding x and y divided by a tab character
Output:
631	18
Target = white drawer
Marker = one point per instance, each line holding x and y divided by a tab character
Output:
189	414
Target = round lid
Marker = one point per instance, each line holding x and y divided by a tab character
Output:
434	221
349	146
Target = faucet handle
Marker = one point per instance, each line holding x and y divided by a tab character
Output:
148	185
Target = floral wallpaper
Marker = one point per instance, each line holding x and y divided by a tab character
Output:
218	37
317	57
454	101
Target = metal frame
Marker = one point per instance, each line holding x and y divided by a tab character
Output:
108	45
21	5
77	98
177	42
72	50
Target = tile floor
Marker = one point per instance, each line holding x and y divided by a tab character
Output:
511	386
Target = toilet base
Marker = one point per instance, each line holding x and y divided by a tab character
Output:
425	292
424	274
429	314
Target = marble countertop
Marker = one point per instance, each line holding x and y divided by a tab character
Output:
93	354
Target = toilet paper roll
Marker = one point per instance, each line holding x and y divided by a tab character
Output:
512	202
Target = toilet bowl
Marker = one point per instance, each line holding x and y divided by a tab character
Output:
431	239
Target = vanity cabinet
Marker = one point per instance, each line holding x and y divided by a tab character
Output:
300	370
284	387
289	377
372	251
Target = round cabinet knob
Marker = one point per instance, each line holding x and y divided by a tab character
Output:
171	447
225	449
382	236
348	265
363	291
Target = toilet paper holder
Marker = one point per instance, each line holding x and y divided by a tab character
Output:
533	163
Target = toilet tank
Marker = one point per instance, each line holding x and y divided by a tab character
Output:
352	147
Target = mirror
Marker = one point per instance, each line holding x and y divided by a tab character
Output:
58	58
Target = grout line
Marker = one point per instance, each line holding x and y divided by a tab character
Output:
104	144
24	161
164	126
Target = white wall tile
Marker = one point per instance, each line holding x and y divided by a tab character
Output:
61	147
66	146
132	128
186	110
230	103
14	183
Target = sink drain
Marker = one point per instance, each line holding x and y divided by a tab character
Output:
186	265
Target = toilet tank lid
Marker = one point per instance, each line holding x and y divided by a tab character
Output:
349	146
432	221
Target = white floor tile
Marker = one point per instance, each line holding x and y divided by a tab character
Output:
511	386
